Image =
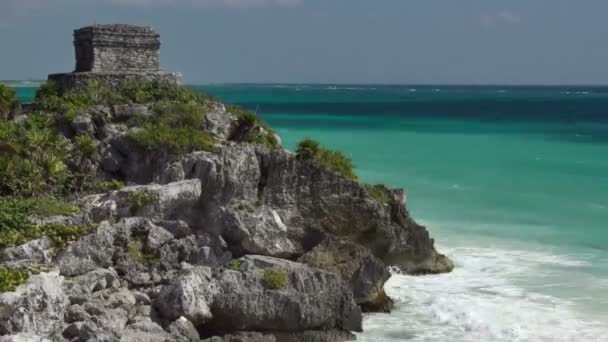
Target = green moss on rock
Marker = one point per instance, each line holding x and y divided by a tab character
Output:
378	192
113	184
141	199
275	279
137	254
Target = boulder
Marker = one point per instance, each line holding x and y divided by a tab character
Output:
39	251
36	307
159	202
308	299
187	296
145	331
183	329
363	272
90	252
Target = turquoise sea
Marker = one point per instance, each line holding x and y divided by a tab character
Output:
512	182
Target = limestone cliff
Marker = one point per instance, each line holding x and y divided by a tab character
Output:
137	210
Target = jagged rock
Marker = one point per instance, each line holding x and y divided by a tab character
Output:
310	299
220	123
179	229
84	331
158	236
23	338
37	251
35	307
83	125
145	331
362	271
91	252
165	202
187	296
96	280
182	328
305	336
123	113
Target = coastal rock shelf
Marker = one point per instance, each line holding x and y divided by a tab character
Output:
167	216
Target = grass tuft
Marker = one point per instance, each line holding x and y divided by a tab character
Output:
275	279
333	160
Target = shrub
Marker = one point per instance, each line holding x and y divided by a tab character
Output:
140	199
378	192
189	114
145	92
64	235
234	264
49	206
8	100
177	140
308	148
113	184
49	98
275	279
17	228
136	253
86	147
333	160
11	278
32	156
257	132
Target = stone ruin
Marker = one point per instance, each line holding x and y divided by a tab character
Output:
113	54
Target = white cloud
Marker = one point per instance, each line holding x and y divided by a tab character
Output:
501	18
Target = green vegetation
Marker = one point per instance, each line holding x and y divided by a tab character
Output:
257	131
136	253
11	278
378	192
176	127
333	160
8	100
140	199
234	264
175	140
113	184
275	279
16	226
86	148
32	157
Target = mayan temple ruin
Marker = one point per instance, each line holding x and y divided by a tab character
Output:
115	53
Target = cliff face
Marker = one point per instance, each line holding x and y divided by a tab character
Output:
245	241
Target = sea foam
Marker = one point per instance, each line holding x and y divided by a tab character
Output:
484	299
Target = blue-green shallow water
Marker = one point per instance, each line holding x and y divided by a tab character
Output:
511	181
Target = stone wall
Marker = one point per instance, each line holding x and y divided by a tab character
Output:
108	48
80	79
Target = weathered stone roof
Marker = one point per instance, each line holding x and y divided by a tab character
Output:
117	35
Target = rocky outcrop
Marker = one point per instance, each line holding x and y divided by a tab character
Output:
363	272
309	299
34	308
245	243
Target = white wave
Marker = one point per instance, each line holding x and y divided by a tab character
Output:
412	90
485	299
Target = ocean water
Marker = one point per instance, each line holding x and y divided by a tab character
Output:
512	183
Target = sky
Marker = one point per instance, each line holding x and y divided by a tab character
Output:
329	41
